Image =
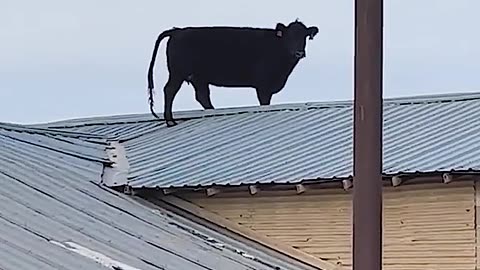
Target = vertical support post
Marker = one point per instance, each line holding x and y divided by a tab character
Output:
368	139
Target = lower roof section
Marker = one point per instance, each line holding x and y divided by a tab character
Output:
290	143
55	215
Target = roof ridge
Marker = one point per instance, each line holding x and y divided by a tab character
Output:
195	114
49	131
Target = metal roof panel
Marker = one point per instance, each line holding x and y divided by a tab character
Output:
55	215
288	143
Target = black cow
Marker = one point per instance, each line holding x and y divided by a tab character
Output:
261	58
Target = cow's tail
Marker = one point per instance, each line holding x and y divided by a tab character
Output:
160	37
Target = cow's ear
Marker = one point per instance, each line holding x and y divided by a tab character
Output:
280	28
312	31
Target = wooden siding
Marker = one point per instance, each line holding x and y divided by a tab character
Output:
477	220
426	226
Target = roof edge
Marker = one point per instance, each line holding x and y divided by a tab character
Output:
194	114
338	180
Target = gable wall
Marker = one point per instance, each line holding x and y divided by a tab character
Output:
426	226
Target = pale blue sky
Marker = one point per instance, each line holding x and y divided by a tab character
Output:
69	59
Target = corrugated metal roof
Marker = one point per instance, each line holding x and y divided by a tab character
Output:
54	215
291	142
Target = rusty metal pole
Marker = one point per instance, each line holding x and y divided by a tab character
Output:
368	138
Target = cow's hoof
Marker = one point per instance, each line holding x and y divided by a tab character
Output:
171	123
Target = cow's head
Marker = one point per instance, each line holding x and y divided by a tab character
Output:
294	37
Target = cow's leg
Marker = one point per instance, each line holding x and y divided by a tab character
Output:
264	96
170	90
202	94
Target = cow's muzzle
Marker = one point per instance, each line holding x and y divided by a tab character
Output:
300	54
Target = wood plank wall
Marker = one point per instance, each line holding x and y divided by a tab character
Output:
426	226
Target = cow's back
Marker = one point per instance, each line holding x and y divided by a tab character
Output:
223	55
